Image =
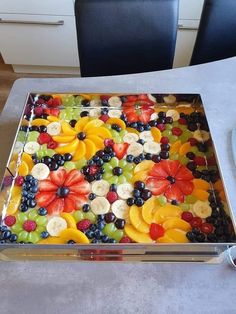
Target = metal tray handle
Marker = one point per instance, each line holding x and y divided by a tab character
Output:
58	23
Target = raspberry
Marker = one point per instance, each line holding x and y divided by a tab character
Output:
54	112
54	102
192	141
44	138
112	197
196	222
200	161
176	131
108	142
161	127
104	117
10	220
93	170
182	121
164	140
29	225
38	111
156	231
125	239
19	180
52	144
83	225
187	216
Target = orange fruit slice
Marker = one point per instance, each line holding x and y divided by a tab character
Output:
218	185
100	131
80	151
186	147
201	184
14	202
202	195
38	122
92	124
90	148
23	169
175	147
99	143
137	236
156	133
116	121
136	219
67	129
81	123
27	158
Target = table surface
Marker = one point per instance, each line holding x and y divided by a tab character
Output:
56	287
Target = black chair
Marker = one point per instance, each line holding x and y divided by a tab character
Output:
216	37
125	36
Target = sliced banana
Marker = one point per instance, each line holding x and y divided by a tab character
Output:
170	99
154	116
146	136
18	147
114	113
95	112
201	135
54	128
31	147
125	190
135	149
95	103
120	209
173	114
152	147
130	138
114	101
100	205
152	98
40	171
202	209
56	225
100	188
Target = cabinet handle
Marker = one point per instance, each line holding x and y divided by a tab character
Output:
58	23
187	28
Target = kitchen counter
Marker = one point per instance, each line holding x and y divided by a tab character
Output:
34	287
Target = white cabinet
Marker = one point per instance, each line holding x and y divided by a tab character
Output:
39	36
189	18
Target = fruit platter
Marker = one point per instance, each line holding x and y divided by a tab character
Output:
114	171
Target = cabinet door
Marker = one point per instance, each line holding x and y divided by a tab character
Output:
186	37
40	40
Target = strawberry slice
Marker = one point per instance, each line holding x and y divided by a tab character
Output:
56	207
47	185
80	188
170	166
73	177
58	177
44	138
131	98
145	115
79	200
184	173
173	193
120	149
52	112
158	171
69	205
157	186
45	198
185	186
54	102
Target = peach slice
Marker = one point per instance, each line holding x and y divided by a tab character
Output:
176	223
38	122
145	165
201	184
140	176
177	235
75	235
116	121
137	236
165	239
149	209
186	147
202	195
156	133
175	147
167	211
136	219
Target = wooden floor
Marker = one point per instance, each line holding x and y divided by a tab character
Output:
7	78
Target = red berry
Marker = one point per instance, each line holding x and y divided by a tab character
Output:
104	117
192	141
187	216
206	228
38	111
44	138
52	144
54	112
104	97
196	222
156	231
40	101
199	161
125	239
83	225
29	225
164	140
176	131
19	180
54	102
108	142
112	197
161	127
10	220
182	121
93	170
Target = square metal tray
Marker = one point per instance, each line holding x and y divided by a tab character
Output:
162	252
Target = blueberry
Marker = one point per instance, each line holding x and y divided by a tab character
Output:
133	125
71	242
86	208
13	237
72	123
137	160
147	127
46	160
141	141
148	156
61	162
63	191
97	234
81	136
42	211
191	236
161	114
98	176
108	149
26	186
3	228
85	170
42	129
104	111
95	241
31	203
200	237
24	199
140	128
96	158
136	193
31	196
164	155
117	171
90	178
165	147
84	114
113	187
190	155
100	217
211	237
44	234
57	157
130	201
112	241
53	166
92	196
100	225
174	202
99	163
139	185
192	127
129	158
23	208
32	189
93	227
67	157
6	234
29	178
100	153
105	238
120	223
156	158
169	120
101	170
142	157
89	234
109	217
152	123
116	127
24	128
146	194
139	202
106	158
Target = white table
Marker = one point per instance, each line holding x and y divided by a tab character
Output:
129	288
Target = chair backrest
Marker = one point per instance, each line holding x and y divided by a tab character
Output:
216	37
125	36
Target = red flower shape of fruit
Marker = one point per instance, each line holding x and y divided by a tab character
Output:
138	108
63	191
171	178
